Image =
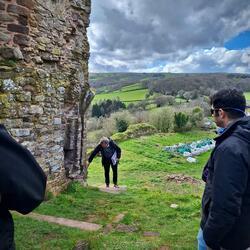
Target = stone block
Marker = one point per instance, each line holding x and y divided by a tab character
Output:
4	37
61	90
18	28
12	8
79	4
56	148
20	132
22	20
35	109
56	51
26	3
11	53
24	81
56	168
38	60
8	85
43	40
49	57
4	17
41	47
24	97
57	121
29	145
39	98
13	123
2	6
21	39
4	102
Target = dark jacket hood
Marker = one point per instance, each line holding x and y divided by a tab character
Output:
239	128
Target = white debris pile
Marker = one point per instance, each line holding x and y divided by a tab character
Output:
190	150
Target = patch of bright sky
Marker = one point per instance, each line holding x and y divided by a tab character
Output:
240	41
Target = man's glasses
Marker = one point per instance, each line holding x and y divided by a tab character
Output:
235	109
213	110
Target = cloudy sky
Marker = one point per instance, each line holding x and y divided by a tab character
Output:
170	36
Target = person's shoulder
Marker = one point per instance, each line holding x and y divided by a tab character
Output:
98	146
111	141
233	145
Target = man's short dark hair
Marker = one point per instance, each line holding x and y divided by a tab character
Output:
231	101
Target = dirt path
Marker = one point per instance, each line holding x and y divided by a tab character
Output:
66	222
111	190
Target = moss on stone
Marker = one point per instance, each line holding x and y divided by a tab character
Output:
8	63
4	98
56	51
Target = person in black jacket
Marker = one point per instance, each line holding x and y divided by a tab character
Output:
22	185
111	155
225	222
6	230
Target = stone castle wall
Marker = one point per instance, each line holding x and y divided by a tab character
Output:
44	90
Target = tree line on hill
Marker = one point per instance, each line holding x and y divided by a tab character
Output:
190	87
169	83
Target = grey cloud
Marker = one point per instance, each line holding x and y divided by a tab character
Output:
139	32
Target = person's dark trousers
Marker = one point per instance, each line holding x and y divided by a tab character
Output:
106	166
6	230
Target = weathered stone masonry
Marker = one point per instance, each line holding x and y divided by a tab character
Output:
44	90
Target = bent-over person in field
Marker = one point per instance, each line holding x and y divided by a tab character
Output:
111	154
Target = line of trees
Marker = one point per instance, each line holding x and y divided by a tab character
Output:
106	107
193	85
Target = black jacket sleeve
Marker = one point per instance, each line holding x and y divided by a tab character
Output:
229	183
117	149
22	180
94	153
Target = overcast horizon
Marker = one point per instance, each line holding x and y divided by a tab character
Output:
166	36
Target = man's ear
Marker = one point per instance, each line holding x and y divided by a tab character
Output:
222	113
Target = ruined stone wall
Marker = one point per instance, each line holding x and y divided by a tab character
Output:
44	55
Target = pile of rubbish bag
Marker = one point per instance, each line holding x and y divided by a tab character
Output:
190	150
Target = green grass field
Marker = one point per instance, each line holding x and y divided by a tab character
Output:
146	204
134	93
128	94
247	94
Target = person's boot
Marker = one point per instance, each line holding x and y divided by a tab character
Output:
116	186
107	185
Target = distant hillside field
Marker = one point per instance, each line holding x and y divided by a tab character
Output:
128	94
134	93
133	87
169	82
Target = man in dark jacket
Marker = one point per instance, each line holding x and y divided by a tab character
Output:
111	155
225	222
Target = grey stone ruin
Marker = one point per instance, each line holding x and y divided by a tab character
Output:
44	89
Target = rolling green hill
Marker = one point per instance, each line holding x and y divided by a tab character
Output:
133	87
127	94
133	93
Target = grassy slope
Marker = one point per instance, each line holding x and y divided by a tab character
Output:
131	93
247	94
143	169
